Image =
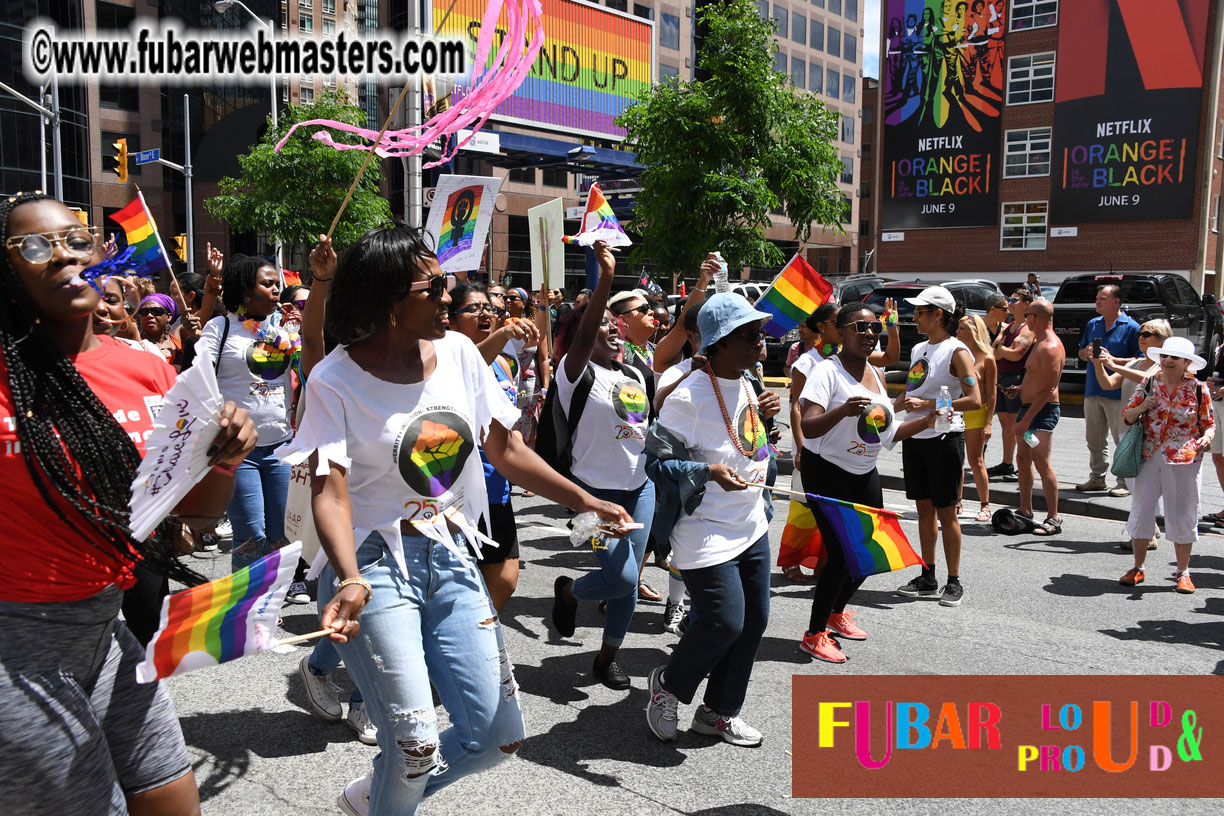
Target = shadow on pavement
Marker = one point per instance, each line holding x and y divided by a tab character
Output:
739	810
1062	546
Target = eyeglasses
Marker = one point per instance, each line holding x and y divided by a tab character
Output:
301	304
477	308
511	298
644	309
1030	314
1173	357
436	285
865	326
1143	334
153	311
38	247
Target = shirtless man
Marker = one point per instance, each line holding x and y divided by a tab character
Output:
1039	412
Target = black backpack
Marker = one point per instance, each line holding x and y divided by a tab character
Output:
555	430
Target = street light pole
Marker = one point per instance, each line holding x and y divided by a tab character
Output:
187	178
42	141
55	139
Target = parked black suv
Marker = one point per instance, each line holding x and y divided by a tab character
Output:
972	293
1144	297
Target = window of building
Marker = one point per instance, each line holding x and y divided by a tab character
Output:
835	42
868	114
1025	225
847	175
833	84
1026	153
120	97
1220	147
852	10
835	6
816	79
329	27
306	94
864	227
367	100
849	86
780	62
666	71
619	5
763	9
816	35
109	137
329	6
818	3
669	31
846	214
555	177
798	72
847	129
466	165
645	12
865	190
798	28
522	175
1033	14
306	23
1215	214
850	48
306	4
781	17
867	152
1030	78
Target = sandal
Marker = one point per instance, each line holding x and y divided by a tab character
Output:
1049	527
1023	514
1215	518
983	514
646	593
794	574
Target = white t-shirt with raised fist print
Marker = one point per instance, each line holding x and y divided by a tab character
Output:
610	441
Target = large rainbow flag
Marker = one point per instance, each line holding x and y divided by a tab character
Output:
801	542
222	620
150	256
599	223
793	295
871	538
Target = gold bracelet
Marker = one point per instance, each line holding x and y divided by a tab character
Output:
360	582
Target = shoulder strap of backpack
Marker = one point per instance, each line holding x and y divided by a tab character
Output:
582	391
221	345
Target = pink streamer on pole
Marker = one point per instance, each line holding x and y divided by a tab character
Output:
488	88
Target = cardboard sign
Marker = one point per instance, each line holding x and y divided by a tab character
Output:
546	225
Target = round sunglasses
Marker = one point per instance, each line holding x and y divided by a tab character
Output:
39	247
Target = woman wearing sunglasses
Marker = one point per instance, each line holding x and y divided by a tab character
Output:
847	419
78	734
609	459
253	353
154	316
1178	427
393	419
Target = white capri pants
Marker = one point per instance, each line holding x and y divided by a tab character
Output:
1180	486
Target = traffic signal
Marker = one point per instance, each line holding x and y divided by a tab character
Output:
180	247
121	158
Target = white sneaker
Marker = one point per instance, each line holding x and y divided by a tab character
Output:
661	708
732	729
672	615
355	800
320	693
224	528
359	721
297	593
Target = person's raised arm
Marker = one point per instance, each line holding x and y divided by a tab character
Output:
543	323
892	354
323	266
579	352
212	284
1108	379
668	350
513	329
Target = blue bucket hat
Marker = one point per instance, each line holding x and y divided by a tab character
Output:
724	313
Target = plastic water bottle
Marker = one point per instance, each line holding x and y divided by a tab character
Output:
1030	439
721	282
943	410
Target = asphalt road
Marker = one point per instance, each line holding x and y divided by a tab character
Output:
1032	606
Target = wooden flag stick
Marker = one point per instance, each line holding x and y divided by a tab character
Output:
366	163
300	638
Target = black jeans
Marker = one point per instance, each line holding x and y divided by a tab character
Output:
835	587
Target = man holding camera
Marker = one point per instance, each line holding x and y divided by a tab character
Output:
1118	333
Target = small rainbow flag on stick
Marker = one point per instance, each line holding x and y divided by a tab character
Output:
871	538
793	295
222	620
150	256
599	223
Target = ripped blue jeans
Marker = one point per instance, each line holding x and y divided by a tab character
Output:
434	624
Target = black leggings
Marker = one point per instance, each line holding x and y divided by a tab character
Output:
142	603
834	586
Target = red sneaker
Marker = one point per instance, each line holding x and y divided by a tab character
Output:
1133	577
1184	585
842	624
822	647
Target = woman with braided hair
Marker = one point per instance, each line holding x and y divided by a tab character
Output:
77	734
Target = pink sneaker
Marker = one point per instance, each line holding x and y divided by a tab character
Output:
822	647
843	625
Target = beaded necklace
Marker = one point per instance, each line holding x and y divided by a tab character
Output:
722	406
289	342
645	353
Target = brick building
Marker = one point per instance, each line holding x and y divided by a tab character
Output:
1121	75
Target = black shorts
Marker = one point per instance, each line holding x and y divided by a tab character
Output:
933	468
505	533
1045	420
1003	403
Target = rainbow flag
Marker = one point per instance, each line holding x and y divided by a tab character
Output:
222	620
150	256
599	223
793	295
871	538
801	541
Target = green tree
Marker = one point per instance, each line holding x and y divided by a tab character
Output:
294	194
723	152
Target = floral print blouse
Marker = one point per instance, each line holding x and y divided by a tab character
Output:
1176	421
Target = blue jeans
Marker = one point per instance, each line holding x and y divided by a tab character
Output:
324	660
619	563
730	608
257	510
435	623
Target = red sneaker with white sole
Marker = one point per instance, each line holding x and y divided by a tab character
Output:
822	647
842	624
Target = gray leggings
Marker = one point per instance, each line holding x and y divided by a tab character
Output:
77	733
